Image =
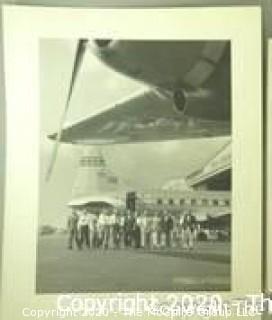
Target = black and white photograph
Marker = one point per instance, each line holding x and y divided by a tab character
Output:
135	165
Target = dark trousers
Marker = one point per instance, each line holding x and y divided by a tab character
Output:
159	237
85	236
106	237
73	238
95	240
168	238
147	239
128	238
137	237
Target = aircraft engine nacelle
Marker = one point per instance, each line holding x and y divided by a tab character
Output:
103	43
180	101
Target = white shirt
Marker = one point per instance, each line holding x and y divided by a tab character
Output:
92	221
122	221
107	220
112	219
84	220
102	219
144	221
139	220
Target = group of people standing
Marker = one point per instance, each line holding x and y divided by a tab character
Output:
116	229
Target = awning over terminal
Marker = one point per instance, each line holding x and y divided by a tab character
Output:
96	201
216	174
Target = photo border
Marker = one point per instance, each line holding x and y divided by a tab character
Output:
268	132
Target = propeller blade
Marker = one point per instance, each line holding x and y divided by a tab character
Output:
81	48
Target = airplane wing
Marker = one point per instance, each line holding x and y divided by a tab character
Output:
146	116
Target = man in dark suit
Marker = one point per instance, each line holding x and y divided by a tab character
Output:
72	227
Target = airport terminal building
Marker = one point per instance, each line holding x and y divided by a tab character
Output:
206	192
209	189
200	203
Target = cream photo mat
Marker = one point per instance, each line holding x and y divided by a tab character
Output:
269	170
25	26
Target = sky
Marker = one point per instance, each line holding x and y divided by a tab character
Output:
142	165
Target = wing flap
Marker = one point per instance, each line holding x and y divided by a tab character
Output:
143	117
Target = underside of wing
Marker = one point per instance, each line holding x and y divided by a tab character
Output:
144	117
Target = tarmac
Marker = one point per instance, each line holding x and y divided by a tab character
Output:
59	270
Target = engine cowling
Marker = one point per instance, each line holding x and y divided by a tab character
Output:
102	43
180	101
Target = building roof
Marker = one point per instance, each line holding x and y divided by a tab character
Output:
218	164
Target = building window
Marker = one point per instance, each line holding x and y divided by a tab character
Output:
215	202
181	202
159	201
227	203
204	202
193	202
171	202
